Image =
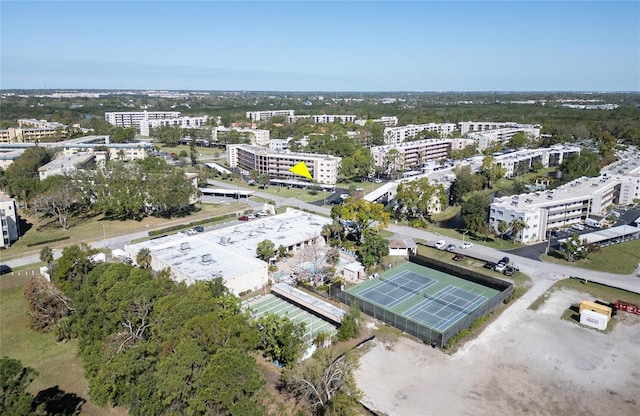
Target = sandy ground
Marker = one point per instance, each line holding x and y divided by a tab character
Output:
526	362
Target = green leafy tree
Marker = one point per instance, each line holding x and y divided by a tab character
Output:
394	163
586	163
281	339
73	266
490	171
503	227
168	135
14	380
357	215
573	248
474	212
373	248
265	250
466	182
517	225
419	198
123	134
351	325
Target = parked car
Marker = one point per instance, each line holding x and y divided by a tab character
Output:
251	216
509	271
577	227
378	181
4	269
243	218
458	257
440	244
500	267
489	265
451	247
466	245
198	229
504	260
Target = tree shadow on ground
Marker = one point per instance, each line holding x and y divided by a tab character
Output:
57	402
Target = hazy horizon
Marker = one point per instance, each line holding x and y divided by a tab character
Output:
322	46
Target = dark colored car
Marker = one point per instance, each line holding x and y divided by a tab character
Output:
458	257
489	265
505	260
198	228
509	271
243	218
4	269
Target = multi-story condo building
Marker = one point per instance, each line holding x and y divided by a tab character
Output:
471	126
182	122
522	161
268	115
324	118
486	138
8	220
66	164
627	169
396	135
134	118
569	204
420	151
31	135
323	168
40	124
257	136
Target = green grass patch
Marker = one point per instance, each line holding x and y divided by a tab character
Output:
447	214
618	258
596	290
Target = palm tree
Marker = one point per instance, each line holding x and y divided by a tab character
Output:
517	225
46	256
503	226
143	258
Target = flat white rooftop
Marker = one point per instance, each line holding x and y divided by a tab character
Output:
607	234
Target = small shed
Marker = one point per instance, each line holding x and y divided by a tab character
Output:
402	246
354	271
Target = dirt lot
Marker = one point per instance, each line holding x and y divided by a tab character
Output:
526	362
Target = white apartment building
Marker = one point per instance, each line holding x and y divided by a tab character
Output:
323	168
487	138
387	121
396	135
569	204
471	126
183	122
31	134
134	118
8	220
627	170
279	145
419	151
268	115
520	162
257	136
324	118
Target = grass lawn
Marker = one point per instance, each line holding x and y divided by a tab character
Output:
97	228
618	258
57	363
519	279
304	195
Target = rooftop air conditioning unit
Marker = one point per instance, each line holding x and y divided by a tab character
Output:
206	258
225	240
184	246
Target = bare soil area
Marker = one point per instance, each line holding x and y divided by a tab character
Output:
526	362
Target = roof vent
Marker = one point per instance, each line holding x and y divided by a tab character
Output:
184	246
225	240
206	258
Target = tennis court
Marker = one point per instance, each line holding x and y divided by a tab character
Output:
425	302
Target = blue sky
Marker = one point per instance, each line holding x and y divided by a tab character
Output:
322	46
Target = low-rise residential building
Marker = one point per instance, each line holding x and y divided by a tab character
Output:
627	170
522	161
230	253
8	220
257	136
182	122
66	164
325	118
568	204
323	168
40	124
474	126
31	134
397	135
268	114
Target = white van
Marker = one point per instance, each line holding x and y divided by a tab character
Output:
590	222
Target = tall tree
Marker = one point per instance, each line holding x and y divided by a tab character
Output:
14	381
46	256
143	258
373	248
474	211
466	182
356	215
265	250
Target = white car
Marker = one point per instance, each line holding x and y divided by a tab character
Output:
440	244
500	267
466	245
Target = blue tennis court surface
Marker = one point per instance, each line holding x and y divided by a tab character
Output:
391	291
445	307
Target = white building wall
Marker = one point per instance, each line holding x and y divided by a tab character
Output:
182	122
8	220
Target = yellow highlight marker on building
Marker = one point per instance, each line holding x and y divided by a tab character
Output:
301	169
